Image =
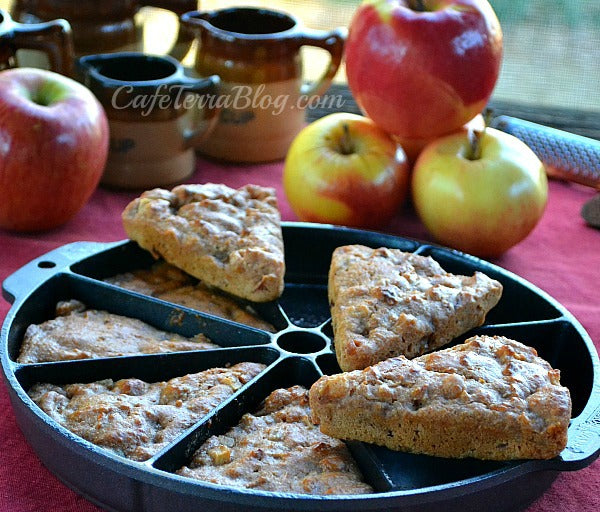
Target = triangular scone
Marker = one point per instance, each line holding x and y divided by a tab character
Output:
134	418
278	449
228	238
81	333
489	398
386	302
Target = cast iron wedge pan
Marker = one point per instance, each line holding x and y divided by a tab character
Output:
298	353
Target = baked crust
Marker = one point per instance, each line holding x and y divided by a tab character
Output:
489	398
166	282
136	419
228	238
386	302
80	333
278	449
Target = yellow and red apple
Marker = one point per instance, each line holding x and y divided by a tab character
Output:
343	169
484	199
423	68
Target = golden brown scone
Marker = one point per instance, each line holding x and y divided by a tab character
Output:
278	449
386	302
489	398
80	333
228	238
166	282
134	418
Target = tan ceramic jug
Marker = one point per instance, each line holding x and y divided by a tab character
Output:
256	52
152	131
101	26
52	38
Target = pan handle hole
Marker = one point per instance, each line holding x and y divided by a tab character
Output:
301	342
46	264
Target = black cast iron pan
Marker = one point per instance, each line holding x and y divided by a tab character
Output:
298	353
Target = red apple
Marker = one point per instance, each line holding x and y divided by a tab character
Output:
422	68
482	199
343	169
53	148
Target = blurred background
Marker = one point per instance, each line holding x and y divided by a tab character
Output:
552	47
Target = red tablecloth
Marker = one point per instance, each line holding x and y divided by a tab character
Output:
562	256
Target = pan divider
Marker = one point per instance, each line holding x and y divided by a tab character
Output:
147	367
163	315
284	373
370	466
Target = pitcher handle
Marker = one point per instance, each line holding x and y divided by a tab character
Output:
52	37
209	88
333	41
185	37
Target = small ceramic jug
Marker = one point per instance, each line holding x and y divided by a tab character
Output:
52	37
103	26
256	52
151	108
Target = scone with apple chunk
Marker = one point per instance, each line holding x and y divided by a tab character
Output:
278	449
386	302
134	418
489	398
230	239
78	332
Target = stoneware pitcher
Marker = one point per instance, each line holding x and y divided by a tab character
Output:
256	52
151	107
101	26
52	38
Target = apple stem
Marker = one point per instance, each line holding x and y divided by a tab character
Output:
475	138
417	5
346	145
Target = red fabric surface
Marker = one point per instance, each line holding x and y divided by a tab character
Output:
561	256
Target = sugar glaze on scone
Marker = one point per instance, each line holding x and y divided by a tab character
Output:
228	238
489	398
386	302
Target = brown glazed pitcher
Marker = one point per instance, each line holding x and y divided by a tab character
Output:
152	130
256	52
102	26
52	37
